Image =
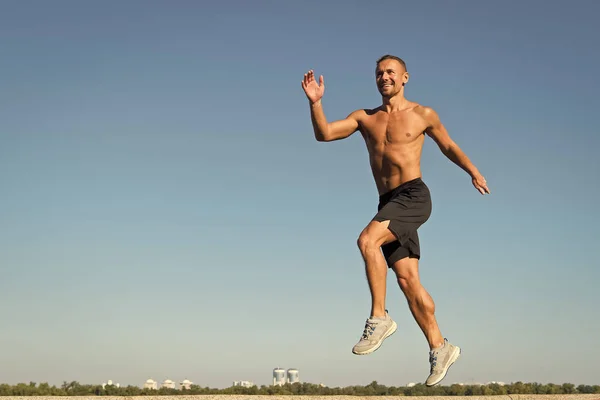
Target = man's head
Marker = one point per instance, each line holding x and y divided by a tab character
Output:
390	75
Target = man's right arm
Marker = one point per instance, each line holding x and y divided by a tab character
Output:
327	132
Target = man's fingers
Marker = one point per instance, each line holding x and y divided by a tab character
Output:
307	79
483	189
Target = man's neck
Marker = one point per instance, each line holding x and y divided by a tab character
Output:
395	103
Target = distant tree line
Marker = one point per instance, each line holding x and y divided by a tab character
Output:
372	389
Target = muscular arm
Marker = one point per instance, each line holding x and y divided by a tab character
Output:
336	130
437	131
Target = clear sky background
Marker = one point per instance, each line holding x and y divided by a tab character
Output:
167	213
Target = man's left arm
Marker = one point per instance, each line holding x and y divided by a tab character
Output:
437	131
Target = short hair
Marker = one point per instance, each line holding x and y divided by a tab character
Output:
391	57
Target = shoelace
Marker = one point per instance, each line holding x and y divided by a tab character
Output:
433	360
369	329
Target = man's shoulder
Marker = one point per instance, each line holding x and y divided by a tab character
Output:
424	111
364	112
427	113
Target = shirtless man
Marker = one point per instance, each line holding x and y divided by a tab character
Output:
394	134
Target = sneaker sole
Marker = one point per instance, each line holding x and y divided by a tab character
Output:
389	333
453	359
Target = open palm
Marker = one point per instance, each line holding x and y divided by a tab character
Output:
314	91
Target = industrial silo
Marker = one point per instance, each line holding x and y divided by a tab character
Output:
292	375
278	376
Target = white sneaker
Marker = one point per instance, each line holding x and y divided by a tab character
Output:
441	359
376	331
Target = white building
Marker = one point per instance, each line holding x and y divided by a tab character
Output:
243	383
151	384
168	384
186	384
110	383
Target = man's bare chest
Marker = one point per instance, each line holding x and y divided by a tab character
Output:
382	128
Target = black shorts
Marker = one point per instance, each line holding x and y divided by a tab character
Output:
407	207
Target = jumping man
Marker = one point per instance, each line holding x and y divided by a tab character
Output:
394	134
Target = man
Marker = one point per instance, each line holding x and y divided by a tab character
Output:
394	134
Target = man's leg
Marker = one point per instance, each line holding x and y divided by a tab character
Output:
370	241
379	325
419	301
442	354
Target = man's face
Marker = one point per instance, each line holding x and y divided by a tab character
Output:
390	75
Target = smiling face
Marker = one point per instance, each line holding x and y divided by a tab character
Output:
390	76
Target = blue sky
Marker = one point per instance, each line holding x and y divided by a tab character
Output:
167	213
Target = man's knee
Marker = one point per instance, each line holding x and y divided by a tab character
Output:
374	236
365	241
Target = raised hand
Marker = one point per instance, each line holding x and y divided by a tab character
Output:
314	91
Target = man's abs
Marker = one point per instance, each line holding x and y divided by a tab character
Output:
394	164
394	141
